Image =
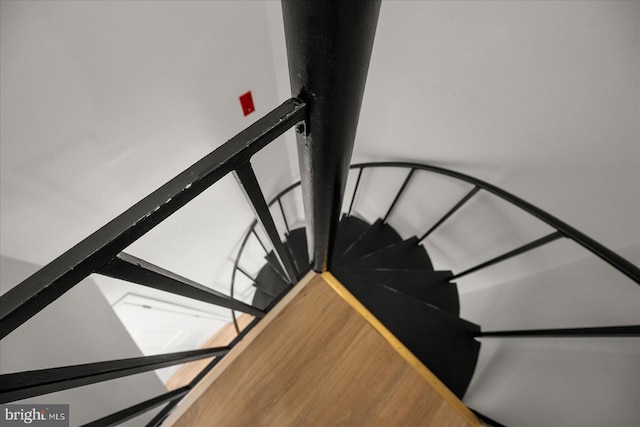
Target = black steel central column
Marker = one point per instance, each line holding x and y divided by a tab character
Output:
329	46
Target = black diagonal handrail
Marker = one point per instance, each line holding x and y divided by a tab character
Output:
243	242
255	234
247	180
451	211
21	385
50	282
619	263
252	230
513	253
398	195
236	264
120	417
284	217
355	191
160	417
246	274
128	267
270	260
596	331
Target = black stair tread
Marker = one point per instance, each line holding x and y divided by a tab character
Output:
350	229
270	282
297	244
429	286
442	341
377	236
261	300
272	260
437	274
403	255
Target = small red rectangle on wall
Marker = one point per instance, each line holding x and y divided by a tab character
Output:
246	101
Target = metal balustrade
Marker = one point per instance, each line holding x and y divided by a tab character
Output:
329	48
562	229
121	265
102	253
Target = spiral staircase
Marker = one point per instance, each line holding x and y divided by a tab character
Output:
397	283
392	276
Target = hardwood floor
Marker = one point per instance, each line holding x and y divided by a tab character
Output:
223	337
318	362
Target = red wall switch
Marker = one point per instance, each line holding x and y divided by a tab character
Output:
247	103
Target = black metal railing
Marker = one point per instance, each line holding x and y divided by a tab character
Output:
111	261
328	47
251	232
102	253
562	230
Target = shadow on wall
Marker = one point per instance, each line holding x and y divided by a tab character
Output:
558	381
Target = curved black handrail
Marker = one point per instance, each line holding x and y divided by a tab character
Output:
615	260
561	227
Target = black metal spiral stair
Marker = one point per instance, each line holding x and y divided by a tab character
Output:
395	280
328	48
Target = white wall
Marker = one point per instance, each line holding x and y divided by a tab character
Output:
102	102
558	381
80	327
540	98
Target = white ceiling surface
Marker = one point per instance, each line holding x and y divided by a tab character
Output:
102	102
540	98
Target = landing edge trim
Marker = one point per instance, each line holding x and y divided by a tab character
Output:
406	354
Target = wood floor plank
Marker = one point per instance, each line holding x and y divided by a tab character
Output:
319	363
222	338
